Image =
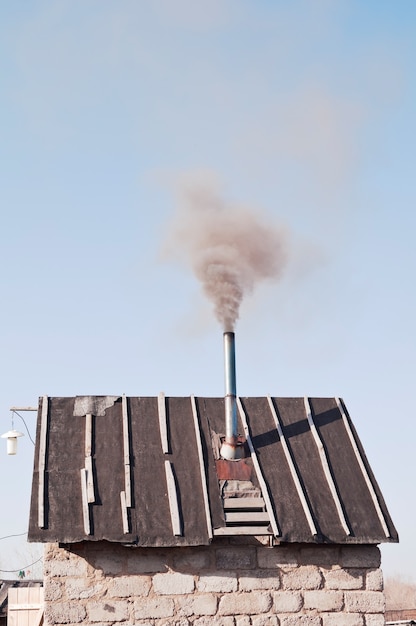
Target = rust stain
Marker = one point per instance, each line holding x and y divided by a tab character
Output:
234	470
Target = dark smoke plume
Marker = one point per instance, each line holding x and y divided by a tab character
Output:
231	249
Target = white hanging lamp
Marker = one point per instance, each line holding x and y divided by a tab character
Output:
11	437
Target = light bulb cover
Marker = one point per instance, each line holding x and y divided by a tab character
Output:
11	437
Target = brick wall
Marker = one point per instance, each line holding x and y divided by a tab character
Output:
229	583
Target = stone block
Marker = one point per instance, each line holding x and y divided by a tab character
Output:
305	577
81	589
258	579
213	583
145	562
265	620
322	556
287	602
173	583
108	563
344	578
192	561
342	619
374	580
107	611
72	566
364	602
214	621
203	604
323	600
52	590
245	603
300	620
235	558
52	551
129	586
243	621
64	613
374	620
154	608
271	558
360	556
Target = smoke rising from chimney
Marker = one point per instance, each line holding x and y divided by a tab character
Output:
230	248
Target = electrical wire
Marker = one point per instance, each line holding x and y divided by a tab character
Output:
12	571
21	569
27	430
8	536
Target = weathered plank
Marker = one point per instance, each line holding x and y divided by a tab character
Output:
173	500
42	461
202	467
246	517
244	503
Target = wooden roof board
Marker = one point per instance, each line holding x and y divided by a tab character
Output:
150	489
207	409
108	471
349	479
306	456
393	536
286	503
185	456
151	515
150	498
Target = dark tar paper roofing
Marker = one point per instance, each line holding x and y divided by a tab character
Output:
146	471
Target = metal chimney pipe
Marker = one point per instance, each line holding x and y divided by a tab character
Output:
230	388
231	449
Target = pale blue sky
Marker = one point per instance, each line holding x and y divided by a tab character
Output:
303	111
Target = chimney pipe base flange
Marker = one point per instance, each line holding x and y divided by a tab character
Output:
232	450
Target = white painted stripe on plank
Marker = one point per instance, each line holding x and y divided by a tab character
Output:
163	426
88	457
173	500
202	466
262	482
242	530
246	517
124	513
326	468
88	434
42	461
126	450
85	507
127	484
126	445
292	468
363	468
243	503
90	480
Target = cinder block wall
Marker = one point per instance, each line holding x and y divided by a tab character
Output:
229	583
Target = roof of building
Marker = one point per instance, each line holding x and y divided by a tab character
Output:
147	471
